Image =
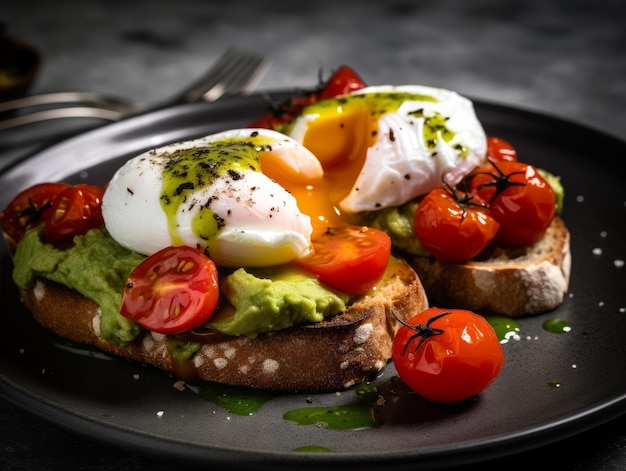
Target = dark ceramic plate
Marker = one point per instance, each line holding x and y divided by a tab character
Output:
553	385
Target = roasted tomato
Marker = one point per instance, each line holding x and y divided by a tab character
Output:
349	258
519	198
75	210
447	355
29	208
499	149
453	226
343	80
172	291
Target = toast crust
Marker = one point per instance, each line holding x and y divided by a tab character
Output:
509	281
335	354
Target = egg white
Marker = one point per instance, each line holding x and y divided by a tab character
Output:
261	227
399	166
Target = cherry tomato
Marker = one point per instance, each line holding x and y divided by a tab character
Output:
453	226
172	291
499	149
343	80
349	258
29	208
75	210
447	355
519	198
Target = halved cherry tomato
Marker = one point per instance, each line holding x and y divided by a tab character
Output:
499	149
75	210
453	226
172	291
343	80
349	258
519	198
29	208
447	355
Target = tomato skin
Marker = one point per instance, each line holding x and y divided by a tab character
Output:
524	209
349	258
456	365
449	232
172	291
344	80
29	208
499	150
75	210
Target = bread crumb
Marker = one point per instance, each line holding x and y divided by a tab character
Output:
95	323
363	333
39	291
270	366
180	385
230	353
148	343
220	363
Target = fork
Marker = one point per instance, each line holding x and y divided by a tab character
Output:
235	72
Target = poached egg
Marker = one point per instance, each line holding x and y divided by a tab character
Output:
382	146
210	193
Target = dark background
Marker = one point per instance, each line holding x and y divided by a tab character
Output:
559	58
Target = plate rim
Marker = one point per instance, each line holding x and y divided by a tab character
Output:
586	419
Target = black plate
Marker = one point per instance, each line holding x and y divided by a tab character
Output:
553	385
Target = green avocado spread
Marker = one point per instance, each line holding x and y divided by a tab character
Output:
97	267
272	300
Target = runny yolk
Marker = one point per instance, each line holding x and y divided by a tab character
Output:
339	138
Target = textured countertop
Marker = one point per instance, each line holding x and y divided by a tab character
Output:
564	59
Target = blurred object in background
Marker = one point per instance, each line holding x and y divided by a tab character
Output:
19	65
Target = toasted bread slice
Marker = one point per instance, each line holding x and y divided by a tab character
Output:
332	355
510	281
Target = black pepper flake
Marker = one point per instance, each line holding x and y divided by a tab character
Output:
378	205
234	174
254	134
130	191
184	186
392	136
221	222
374	133
407	176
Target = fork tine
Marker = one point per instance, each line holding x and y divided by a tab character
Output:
250	73
233	72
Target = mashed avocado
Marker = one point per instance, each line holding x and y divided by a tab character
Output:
272	300
557	187
97	267
398	223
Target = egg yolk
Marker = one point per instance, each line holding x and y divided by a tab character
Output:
339	137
